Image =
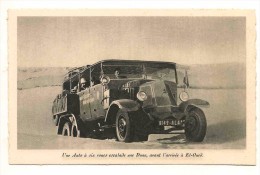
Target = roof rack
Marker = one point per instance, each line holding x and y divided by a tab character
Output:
74	71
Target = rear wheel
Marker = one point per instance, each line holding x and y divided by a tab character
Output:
124	127
195	126
66	129
75	132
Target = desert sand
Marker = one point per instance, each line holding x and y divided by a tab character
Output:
226	118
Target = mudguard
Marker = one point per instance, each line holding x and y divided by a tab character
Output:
184	106
62	120
126	105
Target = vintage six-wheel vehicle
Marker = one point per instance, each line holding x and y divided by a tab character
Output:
128	100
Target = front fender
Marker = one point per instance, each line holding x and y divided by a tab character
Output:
193	103
126	105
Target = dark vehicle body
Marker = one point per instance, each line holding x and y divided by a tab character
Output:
148	97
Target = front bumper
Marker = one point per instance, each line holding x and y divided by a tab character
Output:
163	121
165	112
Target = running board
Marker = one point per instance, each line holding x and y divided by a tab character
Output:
106	126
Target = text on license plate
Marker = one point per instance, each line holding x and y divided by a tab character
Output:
171	122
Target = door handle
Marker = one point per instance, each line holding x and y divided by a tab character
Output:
102	101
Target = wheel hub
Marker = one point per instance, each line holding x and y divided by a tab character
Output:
191	123
122	127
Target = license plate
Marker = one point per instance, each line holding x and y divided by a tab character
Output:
171	122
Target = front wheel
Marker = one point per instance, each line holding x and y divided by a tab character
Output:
124	127
195	125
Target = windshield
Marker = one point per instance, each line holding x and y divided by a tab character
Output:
123	71
159	73
141	71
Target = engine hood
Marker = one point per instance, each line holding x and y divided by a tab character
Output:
135	83
160	93
125	83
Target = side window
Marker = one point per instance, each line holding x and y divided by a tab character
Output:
95	74
95	81
84	81
83	84
74	86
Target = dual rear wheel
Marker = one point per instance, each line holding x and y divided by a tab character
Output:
70	129
66	131
125	129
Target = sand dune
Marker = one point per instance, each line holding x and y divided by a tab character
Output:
209	76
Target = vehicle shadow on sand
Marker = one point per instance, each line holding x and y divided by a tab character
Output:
229	131
176	139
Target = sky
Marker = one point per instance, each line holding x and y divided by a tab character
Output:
78	41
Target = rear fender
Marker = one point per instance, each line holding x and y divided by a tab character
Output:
193	103
126	105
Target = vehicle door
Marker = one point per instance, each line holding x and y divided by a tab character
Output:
84	102
96	105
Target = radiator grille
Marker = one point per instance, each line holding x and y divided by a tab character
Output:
171	89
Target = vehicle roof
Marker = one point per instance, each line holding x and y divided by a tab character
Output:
132	61
138	61
120	61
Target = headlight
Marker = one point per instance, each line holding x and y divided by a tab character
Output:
141	96
184	96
